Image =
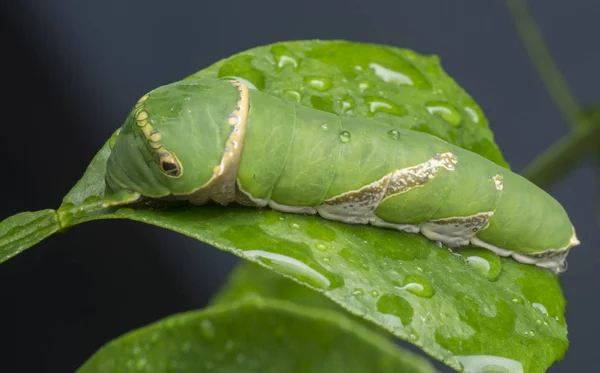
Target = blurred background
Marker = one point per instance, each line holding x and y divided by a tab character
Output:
71	71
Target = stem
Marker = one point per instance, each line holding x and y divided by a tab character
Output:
562	157
551	77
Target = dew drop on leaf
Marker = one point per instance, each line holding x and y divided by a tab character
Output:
382	105
445	111
318	83
321	247
418	285
357	291
345	136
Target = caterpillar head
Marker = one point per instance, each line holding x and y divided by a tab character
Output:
173	141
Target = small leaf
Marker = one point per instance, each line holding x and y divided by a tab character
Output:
254	335
24	230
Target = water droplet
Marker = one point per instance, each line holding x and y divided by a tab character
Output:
209	365
472	113
357	291
394	134
374	293
418	285
326	259
396	306
283	57
444	110
391	76
413	336
186	347
137	349
382	105
304	268
292	95
292	266
208	329
540	307
345	136
363	85
321	247
489	364
346	105
517	300
325	126
531	333
483	261
294	225
318	83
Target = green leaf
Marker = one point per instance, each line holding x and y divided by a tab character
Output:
457	310
254	335
24	230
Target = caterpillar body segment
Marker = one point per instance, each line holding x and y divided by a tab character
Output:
202	140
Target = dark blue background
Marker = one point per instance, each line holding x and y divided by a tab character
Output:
72	69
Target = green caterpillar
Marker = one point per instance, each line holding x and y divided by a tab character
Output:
211	139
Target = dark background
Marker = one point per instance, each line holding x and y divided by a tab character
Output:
72	69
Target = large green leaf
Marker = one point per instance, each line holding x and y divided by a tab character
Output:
254	335
469	311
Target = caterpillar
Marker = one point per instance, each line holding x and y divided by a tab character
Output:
204	140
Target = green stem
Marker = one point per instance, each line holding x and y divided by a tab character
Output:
551	77
562	157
